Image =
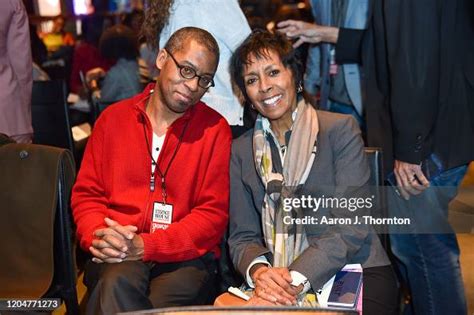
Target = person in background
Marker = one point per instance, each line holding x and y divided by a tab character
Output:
152	195
39	55
15	72
226	22
39	51
134	20
294	151
122	81
148	71
260	12
339	85
86	53
58	37
147	56
417	58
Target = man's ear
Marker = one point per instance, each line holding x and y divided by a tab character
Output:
161	58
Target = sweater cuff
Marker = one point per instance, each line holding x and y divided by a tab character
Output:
88	236
411	149
149	252
348	46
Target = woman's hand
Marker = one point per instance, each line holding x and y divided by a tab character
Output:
308	32
274	285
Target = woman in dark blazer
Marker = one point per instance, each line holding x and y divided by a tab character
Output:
295	152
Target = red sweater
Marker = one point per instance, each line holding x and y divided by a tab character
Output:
114	180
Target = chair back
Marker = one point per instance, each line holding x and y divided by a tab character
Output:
374	157
37	246
50	116
376	182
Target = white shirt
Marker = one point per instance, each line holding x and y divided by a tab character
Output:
156	147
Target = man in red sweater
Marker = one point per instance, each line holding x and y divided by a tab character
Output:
151	199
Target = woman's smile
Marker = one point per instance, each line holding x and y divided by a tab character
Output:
272	101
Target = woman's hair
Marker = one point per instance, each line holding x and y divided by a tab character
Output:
156	17
118	41
259	44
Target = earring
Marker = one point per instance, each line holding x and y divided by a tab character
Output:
252	107
299	89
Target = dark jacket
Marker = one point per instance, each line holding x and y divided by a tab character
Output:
418	64
339	166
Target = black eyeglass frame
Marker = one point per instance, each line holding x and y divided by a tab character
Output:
193	73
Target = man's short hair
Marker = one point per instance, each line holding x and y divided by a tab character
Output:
185	34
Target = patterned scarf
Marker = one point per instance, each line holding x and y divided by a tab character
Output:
286	241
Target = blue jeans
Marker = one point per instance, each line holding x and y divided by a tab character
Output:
429	263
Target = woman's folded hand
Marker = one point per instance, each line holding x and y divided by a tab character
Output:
274	285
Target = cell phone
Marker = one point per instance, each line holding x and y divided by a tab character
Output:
431	167
345	289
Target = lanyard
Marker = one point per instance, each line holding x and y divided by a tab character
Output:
157	167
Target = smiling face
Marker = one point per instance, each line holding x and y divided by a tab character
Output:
270	87
176	92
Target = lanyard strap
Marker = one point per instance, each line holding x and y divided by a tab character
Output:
157	167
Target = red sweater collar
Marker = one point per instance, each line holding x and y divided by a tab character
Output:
141	100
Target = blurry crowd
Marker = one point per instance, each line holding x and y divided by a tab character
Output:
113	54
112	57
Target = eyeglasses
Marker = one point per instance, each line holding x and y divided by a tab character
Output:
189	73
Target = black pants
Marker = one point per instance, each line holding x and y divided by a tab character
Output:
380	291
135	285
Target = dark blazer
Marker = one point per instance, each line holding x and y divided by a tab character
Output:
418	61
340	165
